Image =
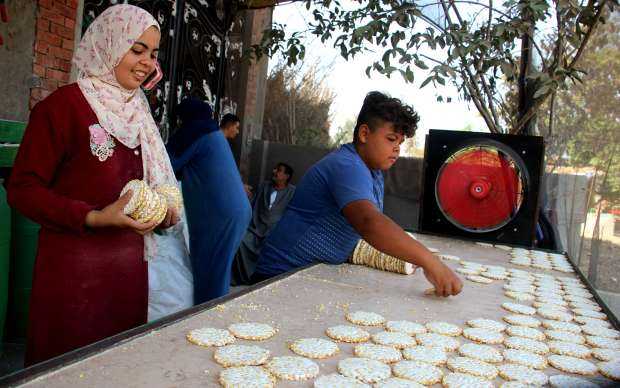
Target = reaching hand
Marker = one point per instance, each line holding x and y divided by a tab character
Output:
445	281
113	215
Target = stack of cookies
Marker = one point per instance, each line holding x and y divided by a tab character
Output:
148	205
365	254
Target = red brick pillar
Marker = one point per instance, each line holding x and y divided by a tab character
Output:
53	46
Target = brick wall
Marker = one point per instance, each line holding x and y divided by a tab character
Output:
53	46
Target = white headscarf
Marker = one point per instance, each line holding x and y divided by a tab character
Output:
122	113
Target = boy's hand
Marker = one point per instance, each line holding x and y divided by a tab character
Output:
441	276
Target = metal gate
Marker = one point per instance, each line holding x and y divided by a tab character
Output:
193	50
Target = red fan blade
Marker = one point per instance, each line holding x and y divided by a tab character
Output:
479	188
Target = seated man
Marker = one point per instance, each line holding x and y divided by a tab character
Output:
340	199
268	205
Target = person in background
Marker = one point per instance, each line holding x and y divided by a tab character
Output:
340	199
268	205
230	126
83	143
217	208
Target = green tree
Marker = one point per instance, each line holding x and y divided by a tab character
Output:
472	43
583	125
297	107
344	134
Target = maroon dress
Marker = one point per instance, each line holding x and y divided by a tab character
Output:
88	284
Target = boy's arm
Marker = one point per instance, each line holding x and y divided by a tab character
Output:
386	236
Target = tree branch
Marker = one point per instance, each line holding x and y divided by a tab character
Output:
585	40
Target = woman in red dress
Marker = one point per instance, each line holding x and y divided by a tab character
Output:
82	145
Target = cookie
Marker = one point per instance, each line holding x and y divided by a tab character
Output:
495	275
603	342
519	296
591	321
346	333
569	349
600	331
516	384
246	376
240	355
446	343
526	344
397	382
590	313
450	257
314	347
484	353
208	336
252	331
463	380
488	324
551	300
565	381
407	327
293	368
336	380
468	271
572	365
479	279
364	369
365	318
519	287
610	369
522	373
473	367
394	339
383	353
585	306
558	325
521	320
420	372
518	308
483	336
444	328
543	305
605	354
565	336
525	332
137	195
428	354
522	357
554	314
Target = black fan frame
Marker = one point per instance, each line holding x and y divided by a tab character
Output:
528	152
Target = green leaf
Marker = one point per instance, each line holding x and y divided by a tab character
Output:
426	81
420	63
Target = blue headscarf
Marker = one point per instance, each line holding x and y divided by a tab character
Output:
196	121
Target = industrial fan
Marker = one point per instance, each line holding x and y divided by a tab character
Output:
482	186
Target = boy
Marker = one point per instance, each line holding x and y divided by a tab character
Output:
340	199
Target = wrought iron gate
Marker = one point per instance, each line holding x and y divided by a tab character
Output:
193	50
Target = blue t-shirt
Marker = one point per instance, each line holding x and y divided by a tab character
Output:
313	228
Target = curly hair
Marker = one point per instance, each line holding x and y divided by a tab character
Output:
379	108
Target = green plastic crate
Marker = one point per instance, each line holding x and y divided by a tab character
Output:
11	134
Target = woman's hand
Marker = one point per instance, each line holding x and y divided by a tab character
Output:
113	215
172	218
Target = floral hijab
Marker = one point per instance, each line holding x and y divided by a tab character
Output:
124	114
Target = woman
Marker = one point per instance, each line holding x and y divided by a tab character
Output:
217	207
82	145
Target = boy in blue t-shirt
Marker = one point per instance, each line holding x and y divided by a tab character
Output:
340	200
